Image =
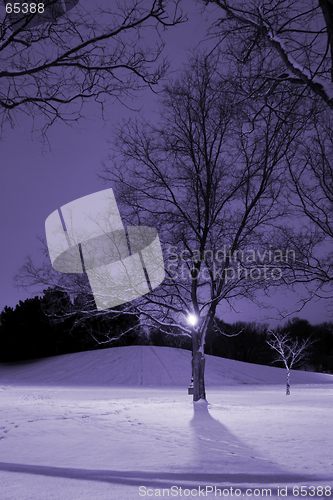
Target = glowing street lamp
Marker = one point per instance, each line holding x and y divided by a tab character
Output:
192	319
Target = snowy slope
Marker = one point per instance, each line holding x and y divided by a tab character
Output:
146	366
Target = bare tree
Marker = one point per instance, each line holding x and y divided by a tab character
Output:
209	178
53	61
288	41
290	352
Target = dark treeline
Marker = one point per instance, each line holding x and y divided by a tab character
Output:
247	342
250	344
33	330
51	325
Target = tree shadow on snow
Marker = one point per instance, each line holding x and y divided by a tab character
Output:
156	479
216	449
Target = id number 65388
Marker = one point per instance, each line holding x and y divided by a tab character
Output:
24	8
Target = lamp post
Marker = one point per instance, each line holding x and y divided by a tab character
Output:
192	320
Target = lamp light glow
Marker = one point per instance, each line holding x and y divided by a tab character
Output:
192	319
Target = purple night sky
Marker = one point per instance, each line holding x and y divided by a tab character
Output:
34	182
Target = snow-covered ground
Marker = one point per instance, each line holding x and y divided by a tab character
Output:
118	424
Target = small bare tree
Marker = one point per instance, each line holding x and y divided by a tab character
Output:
290	352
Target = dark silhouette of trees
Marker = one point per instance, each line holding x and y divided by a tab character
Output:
322	349
25	332
53	325
240	341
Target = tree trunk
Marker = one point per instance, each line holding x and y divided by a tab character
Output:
288	383
198	369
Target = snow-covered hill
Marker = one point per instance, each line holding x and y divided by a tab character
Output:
146	366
